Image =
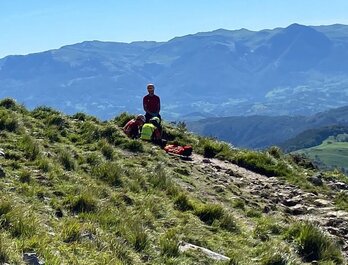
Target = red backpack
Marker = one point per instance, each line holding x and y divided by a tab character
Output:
185	150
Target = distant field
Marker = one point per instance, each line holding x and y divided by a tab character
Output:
330	154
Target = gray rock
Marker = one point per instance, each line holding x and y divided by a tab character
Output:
32	259
316	179
298	209
2	153
183	247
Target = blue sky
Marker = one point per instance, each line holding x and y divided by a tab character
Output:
28	26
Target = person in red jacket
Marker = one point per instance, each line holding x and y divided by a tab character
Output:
151	103
133	127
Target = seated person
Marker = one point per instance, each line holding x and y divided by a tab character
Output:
151	131
132	128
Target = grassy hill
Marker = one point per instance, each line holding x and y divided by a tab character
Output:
329	154
76	190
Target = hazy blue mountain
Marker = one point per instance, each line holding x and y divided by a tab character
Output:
260	132
298	70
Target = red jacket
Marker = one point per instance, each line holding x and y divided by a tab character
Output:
151	104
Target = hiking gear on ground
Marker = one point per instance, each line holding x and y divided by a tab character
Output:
185	150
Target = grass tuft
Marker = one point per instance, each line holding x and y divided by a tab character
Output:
313	244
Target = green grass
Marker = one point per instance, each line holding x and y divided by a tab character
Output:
330	154
78	191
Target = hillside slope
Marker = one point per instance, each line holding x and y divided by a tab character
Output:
77	191
289	132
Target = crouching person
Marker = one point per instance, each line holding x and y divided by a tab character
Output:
133	127
151	131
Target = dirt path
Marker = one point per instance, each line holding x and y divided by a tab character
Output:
276	194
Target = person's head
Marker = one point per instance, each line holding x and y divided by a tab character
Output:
140	119
155	121
151	89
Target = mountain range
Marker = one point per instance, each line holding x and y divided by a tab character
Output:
297	70
289	132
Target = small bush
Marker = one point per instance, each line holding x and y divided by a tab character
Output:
275	151
25	176
210	150
4	253
5	207
133	146
71	231
82	203
30	147
8	103
209	213
341	200
66	160
21	223
110	133
44	164
183	203
276	258
57	120
110	173
123	118
79	116
169	244
43	112
138	235
8	121
106	150
228	222
52	135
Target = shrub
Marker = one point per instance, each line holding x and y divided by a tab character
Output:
5	207
133	145
228	222
341	200
30	147
209	213
275	151
4	253
111	133
183	203
313	244
44	164
8	121
43	112
8	103
71	231
21	223
24	176
137	235
57	120
261	163
82	203
169	244
79	116
106	150
66	160
123	118
276	258
110	173
210	150
52	135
